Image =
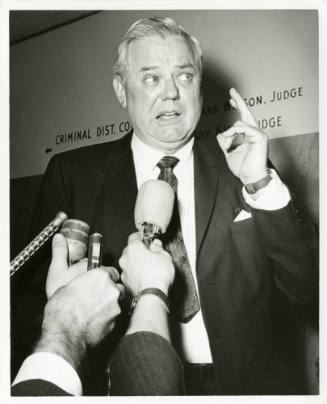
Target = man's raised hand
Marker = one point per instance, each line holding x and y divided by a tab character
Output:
247	159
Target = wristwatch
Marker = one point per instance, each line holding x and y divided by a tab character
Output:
149	291
253	187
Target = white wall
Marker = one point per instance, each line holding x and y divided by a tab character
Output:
61	81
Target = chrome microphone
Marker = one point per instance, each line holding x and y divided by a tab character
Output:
153	209
94	251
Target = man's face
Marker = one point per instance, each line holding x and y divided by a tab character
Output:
162	91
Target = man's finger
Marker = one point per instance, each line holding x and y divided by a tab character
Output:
224	142
157	242
233	103
156	246
134	236
252	134
122	260
123	278
77	269
59	251
113	273
122	291
243	109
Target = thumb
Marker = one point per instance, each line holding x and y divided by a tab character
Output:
58	267
156	245
224	142
59	252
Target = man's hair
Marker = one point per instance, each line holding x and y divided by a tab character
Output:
162	26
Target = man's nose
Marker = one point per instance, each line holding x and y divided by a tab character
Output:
170	90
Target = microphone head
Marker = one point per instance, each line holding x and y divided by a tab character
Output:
154	204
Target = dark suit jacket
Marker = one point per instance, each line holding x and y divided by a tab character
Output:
144	364
239	264
37	387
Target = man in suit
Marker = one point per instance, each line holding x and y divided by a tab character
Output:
243	238
81	311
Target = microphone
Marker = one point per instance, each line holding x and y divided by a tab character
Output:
94	251
37	242
153	209
76	233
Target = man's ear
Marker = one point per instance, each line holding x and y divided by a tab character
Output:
119	90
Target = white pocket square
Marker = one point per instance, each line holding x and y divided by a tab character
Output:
242	216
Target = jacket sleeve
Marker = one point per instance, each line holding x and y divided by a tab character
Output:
28	284
144	363
291	243
37	387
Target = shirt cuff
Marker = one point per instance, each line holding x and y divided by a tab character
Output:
272	197
52	368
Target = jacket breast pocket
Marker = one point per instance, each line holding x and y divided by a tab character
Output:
242	226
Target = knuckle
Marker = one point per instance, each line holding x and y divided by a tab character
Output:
122	261
111	325
113	273
132	237
102	272
115	293
118	310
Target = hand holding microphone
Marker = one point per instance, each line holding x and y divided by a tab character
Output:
143	267
60	273
153	209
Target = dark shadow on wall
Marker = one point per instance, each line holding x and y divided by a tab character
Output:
217	114
297	160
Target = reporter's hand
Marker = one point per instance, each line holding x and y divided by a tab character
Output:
146	268
248	161
80	315
60	274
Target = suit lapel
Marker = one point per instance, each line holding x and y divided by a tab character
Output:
114	213
207	169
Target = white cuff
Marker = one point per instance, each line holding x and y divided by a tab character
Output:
52	368
272	197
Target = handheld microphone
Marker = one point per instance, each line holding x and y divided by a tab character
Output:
37	242
153	209
95	251
76	233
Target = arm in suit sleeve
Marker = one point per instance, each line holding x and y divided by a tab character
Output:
290	241
28	285
37	387
145	363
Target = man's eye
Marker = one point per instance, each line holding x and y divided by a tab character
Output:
185	76
151	79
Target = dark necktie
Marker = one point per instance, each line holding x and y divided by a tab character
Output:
184	300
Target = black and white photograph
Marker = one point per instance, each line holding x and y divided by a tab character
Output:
163	201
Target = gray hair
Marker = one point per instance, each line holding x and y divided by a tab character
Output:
161	26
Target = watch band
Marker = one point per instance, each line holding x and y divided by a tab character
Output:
149	291
253	187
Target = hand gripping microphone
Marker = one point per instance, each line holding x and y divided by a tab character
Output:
153	209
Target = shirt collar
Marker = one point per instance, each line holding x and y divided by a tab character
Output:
150	156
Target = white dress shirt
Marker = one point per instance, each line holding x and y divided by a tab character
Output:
194	338
52	368
193	335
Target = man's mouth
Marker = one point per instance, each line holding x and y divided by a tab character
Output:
167	115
